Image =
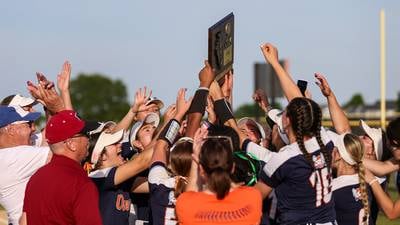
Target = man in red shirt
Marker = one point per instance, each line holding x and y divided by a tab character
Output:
61	192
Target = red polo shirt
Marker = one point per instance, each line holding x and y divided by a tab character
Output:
61	193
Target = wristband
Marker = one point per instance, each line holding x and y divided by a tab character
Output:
222	110
199	101
373	181
170	132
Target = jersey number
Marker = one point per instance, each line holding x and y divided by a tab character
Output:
320	180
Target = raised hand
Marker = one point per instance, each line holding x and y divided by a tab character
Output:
47	97
170	113
182	105
323	85
261	99
63	78
270	53
42	80
212	117
206	75
215	91
227	86
198	140
141	97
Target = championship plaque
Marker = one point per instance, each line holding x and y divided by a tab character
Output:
220	46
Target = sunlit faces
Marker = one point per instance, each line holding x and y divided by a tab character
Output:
113	154
369	151
145	134
24	129
251	131
153	108
82	145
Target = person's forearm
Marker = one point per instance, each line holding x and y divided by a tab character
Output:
232	123
126	121
137	164
379	168
193	122
289	87
384	201
66	97
192	184
339	119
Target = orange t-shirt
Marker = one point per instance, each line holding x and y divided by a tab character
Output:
240	206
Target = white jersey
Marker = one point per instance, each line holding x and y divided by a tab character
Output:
17	165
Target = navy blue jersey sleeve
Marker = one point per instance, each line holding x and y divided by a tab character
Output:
109	179
272	180
159	178
104	178
162	198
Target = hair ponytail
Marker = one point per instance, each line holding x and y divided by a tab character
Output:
355	148
219	181
216	159
363	190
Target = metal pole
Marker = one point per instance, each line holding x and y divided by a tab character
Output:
383	68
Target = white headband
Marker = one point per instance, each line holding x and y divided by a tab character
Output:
342	150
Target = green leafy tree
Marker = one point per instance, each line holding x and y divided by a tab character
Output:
252	110
98	98
356	100
248	110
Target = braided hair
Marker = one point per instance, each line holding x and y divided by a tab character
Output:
355	148
305	117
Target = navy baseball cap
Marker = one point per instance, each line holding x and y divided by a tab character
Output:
12	114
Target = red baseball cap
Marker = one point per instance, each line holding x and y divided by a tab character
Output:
65	124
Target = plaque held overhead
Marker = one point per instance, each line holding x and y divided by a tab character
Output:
221	46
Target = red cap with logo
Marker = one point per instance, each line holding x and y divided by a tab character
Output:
65	124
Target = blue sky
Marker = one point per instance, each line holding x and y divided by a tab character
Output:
162	44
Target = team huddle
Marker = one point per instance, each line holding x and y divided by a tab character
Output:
196	163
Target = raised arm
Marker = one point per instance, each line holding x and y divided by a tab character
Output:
289	87
379	168
137	164
227	87
220	102
196	110
198	139
339	119
141	97
45	93
63	80
261	99
162	144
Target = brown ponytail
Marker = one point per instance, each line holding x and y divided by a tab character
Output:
217	161
181	161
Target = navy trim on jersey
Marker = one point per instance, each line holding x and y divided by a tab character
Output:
348	204
162	196
114	199
303	192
